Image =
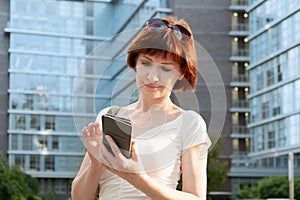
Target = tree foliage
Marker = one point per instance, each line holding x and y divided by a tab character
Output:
15	184
271	187
216	169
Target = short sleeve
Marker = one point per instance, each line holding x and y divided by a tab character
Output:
194	131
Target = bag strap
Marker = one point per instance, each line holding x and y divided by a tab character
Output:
114	110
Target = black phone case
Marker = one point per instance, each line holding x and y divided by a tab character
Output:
120	130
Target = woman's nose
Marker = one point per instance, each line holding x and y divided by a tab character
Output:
153	75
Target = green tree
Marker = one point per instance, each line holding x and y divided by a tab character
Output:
274	187
216	169
50	196
271	187
15	184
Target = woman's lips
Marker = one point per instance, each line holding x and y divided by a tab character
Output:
152	86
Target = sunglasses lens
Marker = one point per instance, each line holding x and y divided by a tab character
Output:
184	31
177	33
157	24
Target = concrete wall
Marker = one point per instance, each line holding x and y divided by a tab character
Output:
4	64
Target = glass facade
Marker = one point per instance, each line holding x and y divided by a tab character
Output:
277	38
271	11
50	49
274	78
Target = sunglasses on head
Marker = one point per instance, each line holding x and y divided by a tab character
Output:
180	32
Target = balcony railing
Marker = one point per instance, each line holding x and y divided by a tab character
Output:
240	52
240	78
240	2
240	129
240	27
240	104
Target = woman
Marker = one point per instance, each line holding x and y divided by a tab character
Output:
167	140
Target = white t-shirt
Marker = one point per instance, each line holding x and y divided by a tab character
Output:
160	150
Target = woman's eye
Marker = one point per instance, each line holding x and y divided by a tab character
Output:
145	63
166	69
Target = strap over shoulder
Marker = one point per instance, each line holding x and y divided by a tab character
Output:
114	110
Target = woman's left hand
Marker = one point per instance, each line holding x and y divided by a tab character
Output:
118	164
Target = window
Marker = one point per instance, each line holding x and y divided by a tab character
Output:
281	134
270	77
261	139
271	139
27	142
20	161
34	162
61	186
50	123
276	103
265	110
42	143
55	144
20	122
14	142
35	122
259	80
279	73
49	163
28	105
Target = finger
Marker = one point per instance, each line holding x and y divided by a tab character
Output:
98	129
85	132
92	130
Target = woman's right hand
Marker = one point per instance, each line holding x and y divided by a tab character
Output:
92	136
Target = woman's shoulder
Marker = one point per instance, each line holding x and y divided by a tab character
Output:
192	116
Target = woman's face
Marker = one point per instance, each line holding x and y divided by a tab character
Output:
156	75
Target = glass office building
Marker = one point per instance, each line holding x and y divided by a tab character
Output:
50	52
274	73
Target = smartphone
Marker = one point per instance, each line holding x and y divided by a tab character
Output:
120	130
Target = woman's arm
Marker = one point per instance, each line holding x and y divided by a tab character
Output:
193	173
85	184
194	170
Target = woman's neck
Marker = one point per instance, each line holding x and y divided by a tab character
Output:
145	104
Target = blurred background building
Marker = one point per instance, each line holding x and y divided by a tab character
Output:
52	54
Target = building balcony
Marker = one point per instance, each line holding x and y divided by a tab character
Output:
239	29
240	106
240	103
243	166
240	158
240	80
239	131
239	4
240	55
258	172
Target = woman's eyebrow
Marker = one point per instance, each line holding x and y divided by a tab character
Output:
168	63
147	58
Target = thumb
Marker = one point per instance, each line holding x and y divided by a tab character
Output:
134	151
